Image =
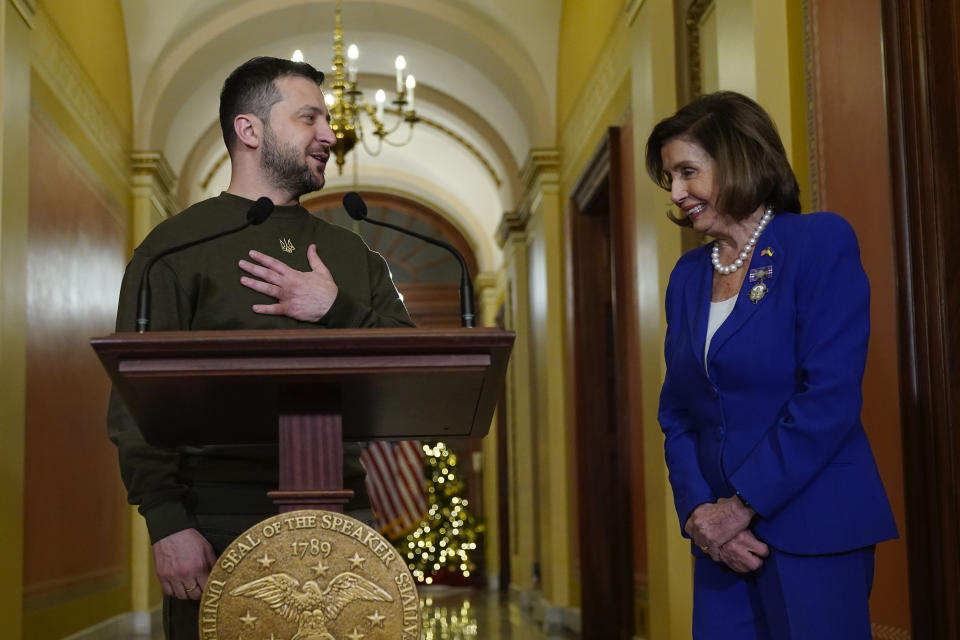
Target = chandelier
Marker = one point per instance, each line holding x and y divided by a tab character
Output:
347	104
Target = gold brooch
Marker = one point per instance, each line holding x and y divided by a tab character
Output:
287	245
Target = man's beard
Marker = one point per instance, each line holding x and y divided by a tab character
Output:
286	169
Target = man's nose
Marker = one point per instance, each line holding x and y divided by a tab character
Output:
325	134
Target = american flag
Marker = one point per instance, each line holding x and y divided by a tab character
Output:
396	485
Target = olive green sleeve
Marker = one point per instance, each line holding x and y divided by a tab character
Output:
149	473
384	309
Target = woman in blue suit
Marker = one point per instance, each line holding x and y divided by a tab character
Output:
767	328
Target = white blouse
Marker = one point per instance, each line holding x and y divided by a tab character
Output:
719	311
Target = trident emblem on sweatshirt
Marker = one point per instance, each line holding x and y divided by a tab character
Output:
287	245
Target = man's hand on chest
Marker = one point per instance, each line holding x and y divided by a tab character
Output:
302	295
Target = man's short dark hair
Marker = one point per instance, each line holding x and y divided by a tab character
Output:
752	168
251	88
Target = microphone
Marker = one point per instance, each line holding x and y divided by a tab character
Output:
256	214
357	209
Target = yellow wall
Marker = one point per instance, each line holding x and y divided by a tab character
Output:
41	55
653	78
756	48
53	105
520	393
552	453
593	95
14	122
736	51
800	159
95	32
585	27
83	90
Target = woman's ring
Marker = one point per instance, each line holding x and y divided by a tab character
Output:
705	548
189	589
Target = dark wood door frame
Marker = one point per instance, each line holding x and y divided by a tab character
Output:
503	479
593	226
923	107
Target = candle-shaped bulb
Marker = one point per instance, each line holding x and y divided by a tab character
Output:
400	64
329	99
297	56
411	83
381	97
353	52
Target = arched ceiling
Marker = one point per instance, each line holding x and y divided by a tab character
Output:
485	69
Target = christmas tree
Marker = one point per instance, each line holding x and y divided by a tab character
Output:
446	540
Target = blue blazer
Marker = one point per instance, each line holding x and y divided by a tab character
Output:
775	413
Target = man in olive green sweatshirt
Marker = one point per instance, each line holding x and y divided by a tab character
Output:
293	270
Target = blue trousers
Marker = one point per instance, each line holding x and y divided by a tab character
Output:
789	598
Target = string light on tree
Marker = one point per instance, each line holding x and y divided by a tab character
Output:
446	540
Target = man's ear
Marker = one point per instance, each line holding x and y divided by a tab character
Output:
249	130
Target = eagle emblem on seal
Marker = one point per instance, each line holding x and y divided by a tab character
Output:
307	605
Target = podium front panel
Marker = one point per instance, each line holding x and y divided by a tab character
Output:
217	387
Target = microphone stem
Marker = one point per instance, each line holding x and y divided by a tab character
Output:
143	296
467	314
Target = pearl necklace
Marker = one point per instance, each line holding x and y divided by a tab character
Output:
742	258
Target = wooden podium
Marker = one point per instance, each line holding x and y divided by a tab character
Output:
308	390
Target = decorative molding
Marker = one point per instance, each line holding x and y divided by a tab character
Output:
155	164
513	225
50	593
486	280
463	141
811	75
695	13
154	180
538	161
66	147
539	175
27	10
491	287
594	176
56	64
585	117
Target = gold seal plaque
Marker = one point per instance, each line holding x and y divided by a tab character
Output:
310	575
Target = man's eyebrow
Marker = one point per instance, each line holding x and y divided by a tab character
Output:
309	108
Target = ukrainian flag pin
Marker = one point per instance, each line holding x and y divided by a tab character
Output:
767	252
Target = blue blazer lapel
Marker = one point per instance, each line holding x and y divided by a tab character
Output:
697	302
744	308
